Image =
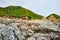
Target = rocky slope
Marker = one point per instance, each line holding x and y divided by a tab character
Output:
17	29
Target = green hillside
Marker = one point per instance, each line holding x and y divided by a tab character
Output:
55	15
18	11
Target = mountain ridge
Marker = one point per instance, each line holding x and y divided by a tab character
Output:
18	11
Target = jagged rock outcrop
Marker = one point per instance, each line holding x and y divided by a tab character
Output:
10	32
16	29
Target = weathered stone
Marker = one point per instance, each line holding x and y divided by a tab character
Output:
10	33
31	38
16	29
30	32
8	21
43	38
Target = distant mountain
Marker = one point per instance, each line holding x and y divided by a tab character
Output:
55	15
18	11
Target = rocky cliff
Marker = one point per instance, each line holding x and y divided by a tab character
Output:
17	29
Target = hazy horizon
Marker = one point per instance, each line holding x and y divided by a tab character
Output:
42	7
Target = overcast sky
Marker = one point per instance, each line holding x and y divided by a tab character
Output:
42	7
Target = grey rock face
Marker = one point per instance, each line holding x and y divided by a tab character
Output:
10	32
29	30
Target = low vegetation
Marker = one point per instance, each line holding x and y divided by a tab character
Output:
55	15
18	11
